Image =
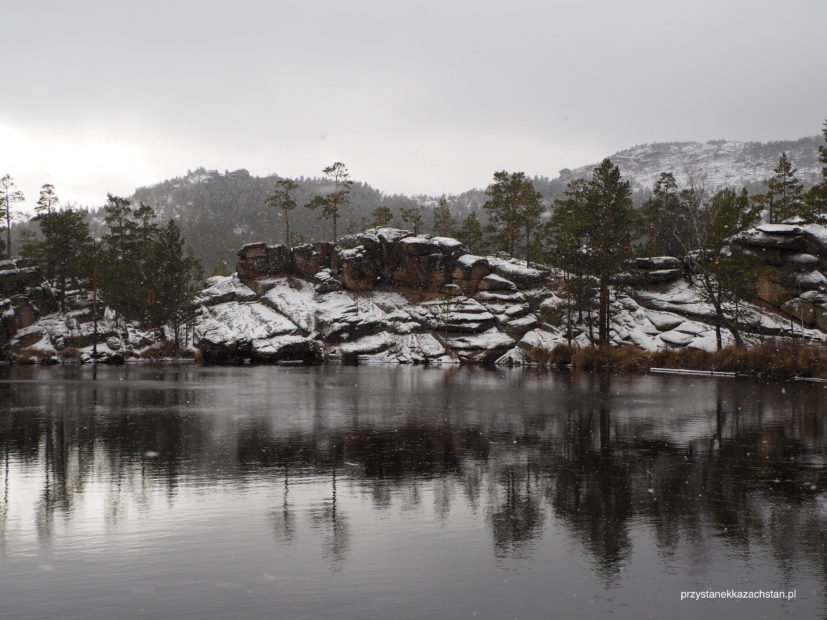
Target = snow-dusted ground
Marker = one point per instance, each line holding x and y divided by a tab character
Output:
384	326
513	313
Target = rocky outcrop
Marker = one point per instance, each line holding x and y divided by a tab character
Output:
373	259
24	297
33	330
797	286
386	295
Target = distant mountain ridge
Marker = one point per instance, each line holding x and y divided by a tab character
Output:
218	212
722	163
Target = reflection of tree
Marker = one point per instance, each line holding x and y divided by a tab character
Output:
4	508
332	524
517	518
592	493
284	520
585	456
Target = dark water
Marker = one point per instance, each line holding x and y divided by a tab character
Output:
399	492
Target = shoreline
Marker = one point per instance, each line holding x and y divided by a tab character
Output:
771	360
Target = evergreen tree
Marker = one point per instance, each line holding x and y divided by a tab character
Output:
443	220
332	202
600	216
145	273
659	216
379	217
470	233
48	200
8	196
125	257
65	247
177	274
503	203
530	210
412	217
816	198
785	194
568	251
282	199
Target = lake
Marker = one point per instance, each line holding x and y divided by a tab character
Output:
406	492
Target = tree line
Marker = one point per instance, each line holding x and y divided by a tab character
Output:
144	271
139	268
592	231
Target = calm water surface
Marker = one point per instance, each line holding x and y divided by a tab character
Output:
406	492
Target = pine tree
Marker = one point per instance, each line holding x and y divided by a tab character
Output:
568	251
412	217
470	233
600	216
816	197
48	200
340	196
65	247
443	220
177	274
282	199
379	217
530	210
785	194
8	196
659	216
514	204
503	209
126	277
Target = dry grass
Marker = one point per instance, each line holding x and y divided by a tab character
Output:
69	353
164	350
29	356
778	358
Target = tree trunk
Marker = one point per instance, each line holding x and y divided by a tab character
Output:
603	314
8	229
335	237
736	333
591	327
63	292
527	246
286	229
567	281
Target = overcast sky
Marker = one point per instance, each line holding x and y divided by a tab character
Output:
415	97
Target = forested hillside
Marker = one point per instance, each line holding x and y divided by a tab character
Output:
220	211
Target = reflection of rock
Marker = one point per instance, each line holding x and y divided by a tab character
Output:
647	467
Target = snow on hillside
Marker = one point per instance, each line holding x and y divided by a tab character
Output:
720	163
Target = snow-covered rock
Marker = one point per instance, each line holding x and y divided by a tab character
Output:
390	296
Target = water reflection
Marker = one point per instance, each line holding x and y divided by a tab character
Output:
694	465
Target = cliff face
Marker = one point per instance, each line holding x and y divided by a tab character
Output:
387	295
798	285
384	294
